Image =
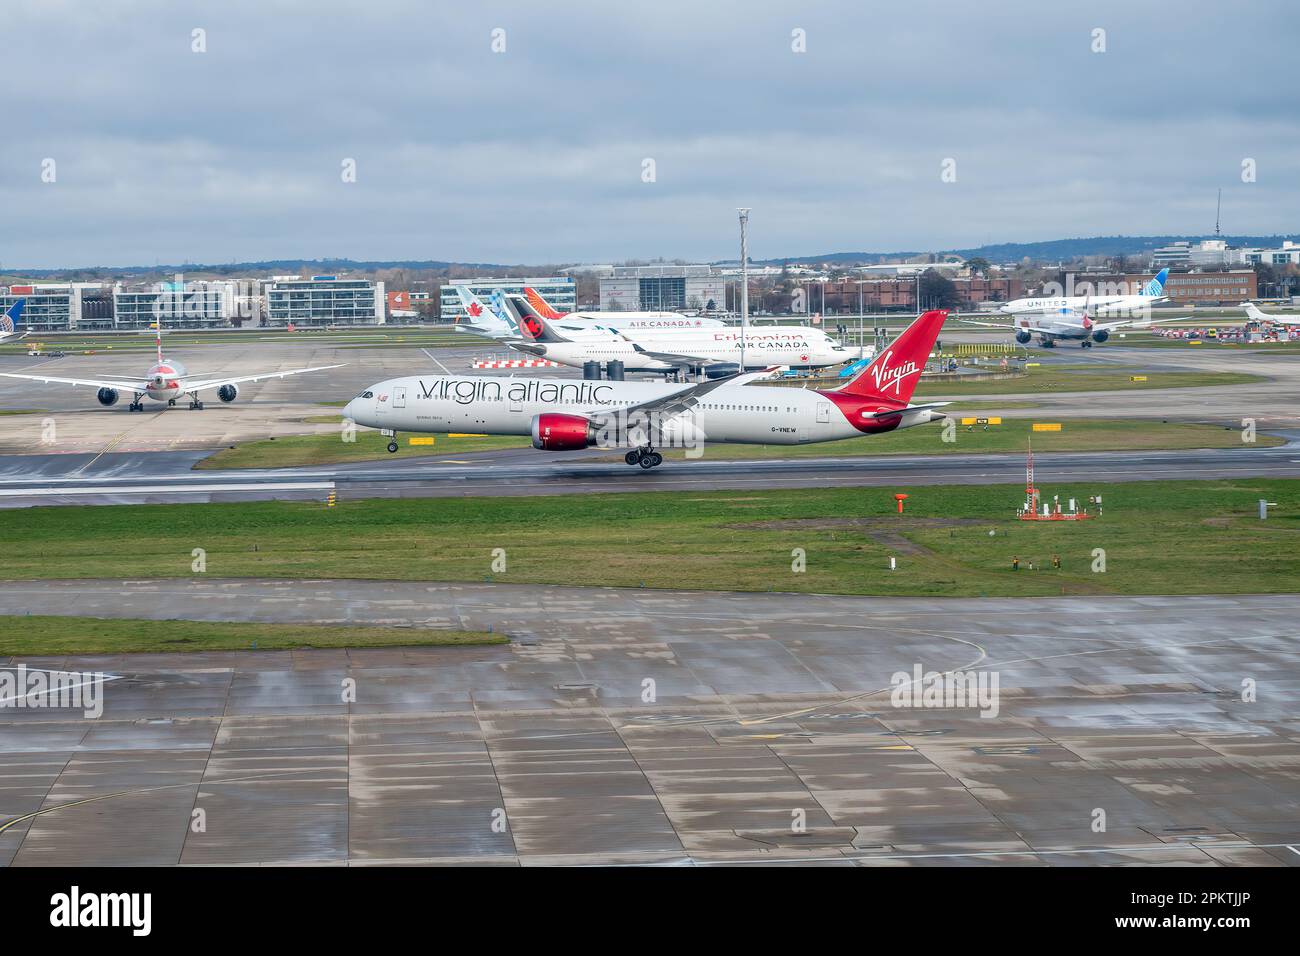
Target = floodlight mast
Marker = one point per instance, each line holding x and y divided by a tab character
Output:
744	281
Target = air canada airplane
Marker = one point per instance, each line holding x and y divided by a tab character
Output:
567	414
495	322
164	382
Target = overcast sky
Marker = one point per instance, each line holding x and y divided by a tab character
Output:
536	154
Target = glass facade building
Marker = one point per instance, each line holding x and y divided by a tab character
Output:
323	300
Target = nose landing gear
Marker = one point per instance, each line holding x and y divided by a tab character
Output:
392	447
645	457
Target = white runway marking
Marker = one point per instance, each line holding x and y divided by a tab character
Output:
169	489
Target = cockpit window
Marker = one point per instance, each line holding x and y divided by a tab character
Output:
366	395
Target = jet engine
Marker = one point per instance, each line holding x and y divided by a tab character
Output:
721	369
1101	335
553	432
1023	338
227	393
107	396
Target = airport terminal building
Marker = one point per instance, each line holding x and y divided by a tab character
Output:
324	301
663	288
187	305
62	307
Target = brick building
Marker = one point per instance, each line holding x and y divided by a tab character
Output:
885	295
1187	288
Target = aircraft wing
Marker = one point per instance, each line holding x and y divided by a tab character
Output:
989	325
1122	324
684	400
497	335
674	358
1030	322
136	386
218	382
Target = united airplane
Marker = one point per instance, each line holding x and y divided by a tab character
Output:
567	414
9	321
1073	317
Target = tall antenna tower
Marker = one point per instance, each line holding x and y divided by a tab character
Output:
1218	208
744	281
1031	492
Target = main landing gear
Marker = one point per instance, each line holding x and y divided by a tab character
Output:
1085	344
136	405
645	457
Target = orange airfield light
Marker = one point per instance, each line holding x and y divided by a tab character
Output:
900	498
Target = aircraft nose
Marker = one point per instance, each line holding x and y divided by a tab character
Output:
350	410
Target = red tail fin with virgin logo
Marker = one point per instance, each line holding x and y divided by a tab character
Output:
893	374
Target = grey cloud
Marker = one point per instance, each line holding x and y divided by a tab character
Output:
535	155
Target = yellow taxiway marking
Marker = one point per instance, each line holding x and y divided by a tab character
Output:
106	449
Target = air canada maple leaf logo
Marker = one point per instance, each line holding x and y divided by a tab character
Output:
532	327
475	309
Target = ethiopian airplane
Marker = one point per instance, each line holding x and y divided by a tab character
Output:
568	414
9	321
715	351
165	381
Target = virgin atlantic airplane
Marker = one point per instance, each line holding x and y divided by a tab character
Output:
566	414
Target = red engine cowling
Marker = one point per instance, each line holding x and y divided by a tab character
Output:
562	432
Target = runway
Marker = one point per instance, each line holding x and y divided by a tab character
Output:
667	727
27	481
67	450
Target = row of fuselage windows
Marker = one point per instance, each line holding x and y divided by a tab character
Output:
714	406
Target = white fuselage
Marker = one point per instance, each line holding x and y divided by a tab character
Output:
1078	303
643	320
165	381
1058	327
753	414
791	346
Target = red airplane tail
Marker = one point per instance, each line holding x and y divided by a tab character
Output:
543	307
893	374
